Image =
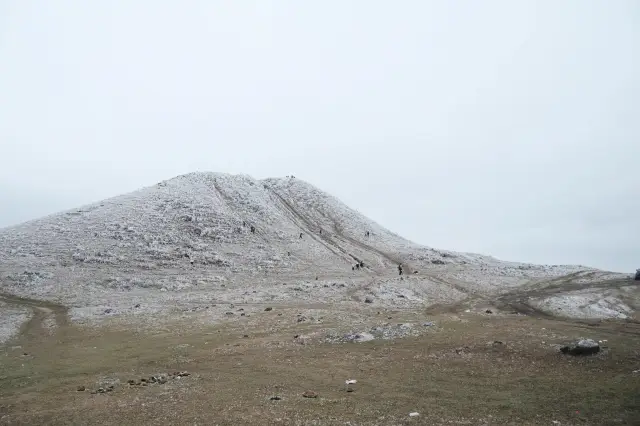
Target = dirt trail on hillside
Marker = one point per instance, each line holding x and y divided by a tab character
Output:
309	227
35	327
339	234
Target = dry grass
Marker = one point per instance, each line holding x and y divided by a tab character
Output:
520	382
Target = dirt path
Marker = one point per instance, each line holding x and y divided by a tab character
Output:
304	222
36	328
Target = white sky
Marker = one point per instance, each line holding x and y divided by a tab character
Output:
510	128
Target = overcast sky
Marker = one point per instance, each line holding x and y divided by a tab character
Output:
510	128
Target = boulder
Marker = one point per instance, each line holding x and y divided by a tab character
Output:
583	347
637	278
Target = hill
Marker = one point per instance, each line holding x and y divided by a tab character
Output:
189	239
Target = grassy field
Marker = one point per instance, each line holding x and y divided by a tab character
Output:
457	374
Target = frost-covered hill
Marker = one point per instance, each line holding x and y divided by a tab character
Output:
204	220
194	233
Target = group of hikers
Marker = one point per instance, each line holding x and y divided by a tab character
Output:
253	230
360	263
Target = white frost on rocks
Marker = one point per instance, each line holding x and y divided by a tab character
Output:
584	305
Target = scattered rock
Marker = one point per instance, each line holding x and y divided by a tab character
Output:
275	398
348	384
131	382
437	262
583	347
108	311
268	309
81	389
368	299
428	324
229	313
359	337
243	314
462	350
310	394
302	319
245	336
137	305
160	379
488	311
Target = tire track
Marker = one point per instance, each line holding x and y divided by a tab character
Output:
34	328
306	225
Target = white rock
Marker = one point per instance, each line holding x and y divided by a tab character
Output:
414	414
587	343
